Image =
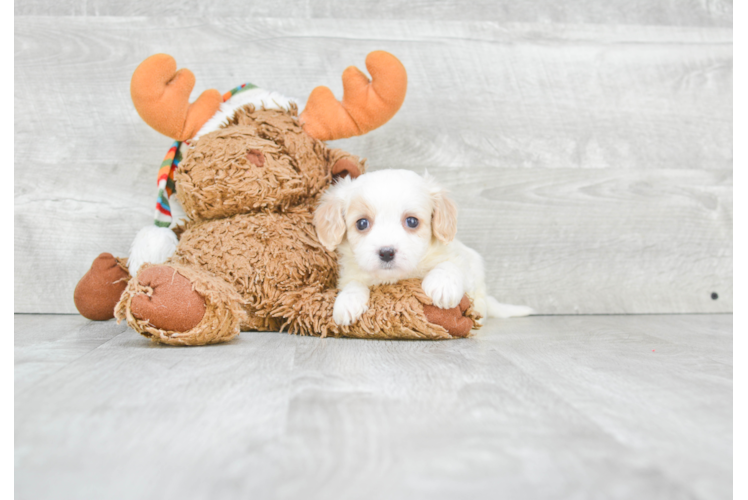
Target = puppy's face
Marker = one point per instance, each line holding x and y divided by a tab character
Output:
389	218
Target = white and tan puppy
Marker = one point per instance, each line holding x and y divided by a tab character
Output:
391	225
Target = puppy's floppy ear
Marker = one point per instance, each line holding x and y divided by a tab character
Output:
329	217
444	215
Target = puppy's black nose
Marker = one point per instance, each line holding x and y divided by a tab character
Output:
386	254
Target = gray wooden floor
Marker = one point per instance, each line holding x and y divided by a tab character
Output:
541	407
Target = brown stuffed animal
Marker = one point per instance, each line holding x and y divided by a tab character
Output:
250	175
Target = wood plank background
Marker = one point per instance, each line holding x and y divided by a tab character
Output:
625	12
739	163
588	145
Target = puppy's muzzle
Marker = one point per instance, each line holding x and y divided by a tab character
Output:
386	254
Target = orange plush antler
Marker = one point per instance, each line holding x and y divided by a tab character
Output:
366	104
161	95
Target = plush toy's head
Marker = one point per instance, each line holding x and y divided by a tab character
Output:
249	150
262	160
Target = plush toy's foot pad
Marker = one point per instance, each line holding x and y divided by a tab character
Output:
453	320
100	288
172	305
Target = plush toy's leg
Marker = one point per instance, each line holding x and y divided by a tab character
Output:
454	320
100	288
181	305
400	311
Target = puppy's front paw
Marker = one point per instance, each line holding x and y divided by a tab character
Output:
349	306
443	288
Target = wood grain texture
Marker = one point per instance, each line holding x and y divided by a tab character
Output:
541	407
739	163
630	12
739	235
616	139
739	99
739	347
479	93
600	241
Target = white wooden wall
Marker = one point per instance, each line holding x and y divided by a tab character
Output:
588	144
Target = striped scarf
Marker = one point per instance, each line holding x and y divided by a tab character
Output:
166	186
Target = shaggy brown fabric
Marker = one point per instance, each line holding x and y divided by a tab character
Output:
314	159
250	254
101	287
216	179
172	303
224	311
395	312
263	256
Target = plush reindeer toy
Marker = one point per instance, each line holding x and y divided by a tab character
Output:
248	171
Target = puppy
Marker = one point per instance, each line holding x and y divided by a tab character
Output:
391	225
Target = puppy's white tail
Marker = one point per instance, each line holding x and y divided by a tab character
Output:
498	310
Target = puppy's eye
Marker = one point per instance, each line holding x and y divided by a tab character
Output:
411	222
362	224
